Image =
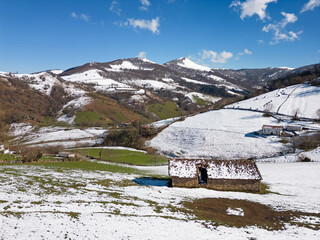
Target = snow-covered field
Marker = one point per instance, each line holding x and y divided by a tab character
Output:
47	202
224	134
301	99
53	136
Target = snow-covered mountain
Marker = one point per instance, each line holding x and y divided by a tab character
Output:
138	84
139	73
244	78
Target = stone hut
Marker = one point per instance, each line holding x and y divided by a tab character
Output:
272	130
66	154
293	128
227	175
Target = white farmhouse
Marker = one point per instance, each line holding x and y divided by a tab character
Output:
272	130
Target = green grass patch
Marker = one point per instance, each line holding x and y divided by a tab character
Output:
7	157
166	110
123	156
88	166
119	117
83	118
200	101
265	189
48	158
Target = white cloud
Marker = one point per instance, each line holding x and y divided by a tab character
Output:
121	24
152	25
216	57
309	6
145	4
260	41
278	29
142	55
82	16
115	7
251	7
245	52
288	18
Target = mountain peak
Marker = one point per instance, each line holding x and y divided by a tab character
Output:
187	63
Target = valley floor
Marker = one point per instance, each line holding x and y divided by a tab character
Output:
98	200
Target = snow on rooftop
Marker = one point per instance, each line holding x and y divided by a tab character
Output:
216	169
187	63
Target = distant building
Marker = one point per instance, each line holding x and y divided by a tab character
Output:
227	175
66	155
272	130
293	128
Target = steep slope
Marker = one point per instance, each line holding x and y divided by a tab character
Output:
45	95
302	100
20	101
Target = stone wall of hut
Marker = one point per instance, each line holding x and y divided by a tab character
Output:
219	184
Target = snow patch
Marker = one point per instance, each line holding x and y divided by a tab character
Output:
195	81
235	211
124	65
187	63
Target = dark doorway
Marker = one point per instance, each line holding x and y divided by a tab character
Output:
203	175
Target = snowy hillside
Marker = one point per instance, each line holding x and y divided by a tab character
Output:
223	134
301	99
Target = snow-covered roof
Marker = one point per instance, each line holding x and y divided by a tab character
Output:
273	127
216	169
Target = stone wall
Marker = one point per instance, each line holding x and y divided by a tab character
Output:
219	184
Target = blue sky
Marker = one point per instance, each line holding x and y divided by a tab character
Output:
37	35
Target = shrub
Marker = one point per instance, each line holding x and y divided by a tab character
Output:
124	137
27	155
